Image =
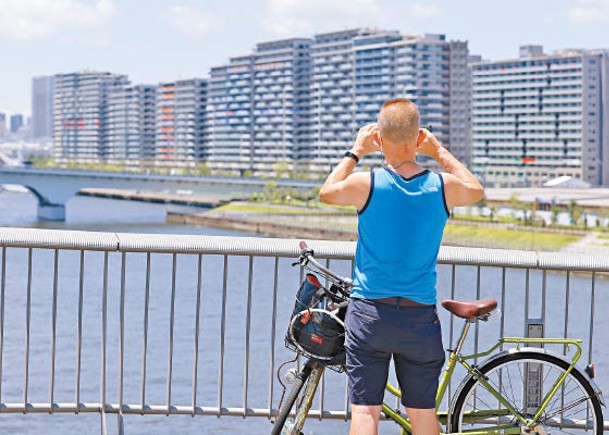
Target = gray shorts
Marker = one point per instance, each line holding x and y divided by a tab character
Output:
377	332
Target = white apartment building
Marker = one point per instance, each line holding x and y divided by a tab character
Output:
80	115
356	71
180	128
541	116
258	107
131	123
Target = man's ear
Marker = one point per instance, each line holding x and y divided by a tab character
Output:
421	136
377	137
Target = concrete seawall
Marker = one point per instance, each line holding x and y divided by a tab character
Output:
154	197
266	228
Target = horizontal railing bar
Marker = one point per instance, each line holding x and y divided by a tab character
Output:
18	408
10	408
57	239
221	245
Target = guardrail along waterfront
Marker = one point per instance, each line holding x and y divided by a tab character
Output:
173	324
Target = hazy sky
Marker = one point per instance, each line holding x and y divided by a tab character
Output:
157	40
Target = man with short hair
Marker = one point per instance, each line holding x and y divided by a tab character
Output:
402	211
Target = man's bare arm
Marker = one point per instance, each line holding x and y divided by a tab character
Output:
343	187
461	187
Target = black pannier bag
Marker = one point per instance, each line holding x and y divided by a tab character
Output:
316	334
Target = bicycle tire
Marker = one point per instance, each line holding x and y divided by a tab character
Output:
577	395
303	384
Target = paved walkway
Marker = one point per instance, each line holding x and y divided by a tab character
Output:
589	244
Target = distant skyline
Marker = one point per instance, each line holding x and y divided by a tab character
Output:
173	39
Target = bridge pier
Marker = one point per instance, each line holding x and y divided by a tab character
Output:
51	212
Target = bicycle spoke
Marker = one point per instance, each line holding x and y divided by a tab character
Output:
556	399
513	397
566	408
506	399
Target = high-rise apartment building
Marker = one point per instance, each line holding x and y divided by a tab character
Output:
302	101
180	136
3	126
43	89
16	122
131	123
296	101
542	116
229	115
258	107
81	115
355	71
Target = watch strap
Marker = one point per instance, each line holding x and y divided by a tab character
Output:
352	156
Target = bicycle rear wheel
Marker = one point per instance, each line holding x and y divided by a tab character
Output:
523	379
294	409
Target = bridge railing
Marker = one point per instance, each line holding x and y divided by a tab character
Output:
172	324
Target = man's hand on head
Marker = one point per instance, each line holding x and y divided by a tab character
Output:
461	187
367	140
343	186
428	144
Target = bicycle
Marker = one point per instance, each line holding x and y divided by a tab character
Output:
520	390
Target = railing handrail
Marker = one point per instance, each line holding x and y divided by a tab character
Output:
197	244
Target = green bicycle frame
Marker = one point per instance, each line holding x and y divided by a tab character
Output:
472	370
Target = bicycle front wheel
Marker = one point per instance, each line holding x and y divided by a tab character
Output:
523	379
294	409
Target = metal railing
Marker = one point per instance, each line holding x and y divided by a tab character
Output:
194	325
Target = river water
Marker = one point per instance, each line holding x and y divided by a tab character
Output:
93	214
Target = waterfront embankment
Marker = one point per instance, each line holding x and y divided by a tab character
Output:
323	222
184	198
313	220
261	227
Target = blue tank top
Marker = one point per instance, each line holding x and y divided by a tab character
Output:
399	233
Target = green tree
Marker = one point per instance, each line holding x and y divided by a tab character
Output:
529	209
40	161
575	212
270	190
555	211
203	169
281	169
516	205
492	212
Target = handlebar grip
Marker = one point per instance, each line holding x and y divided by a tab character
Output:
303	245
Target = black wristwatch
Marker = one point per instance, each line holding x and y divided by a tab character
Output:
352	156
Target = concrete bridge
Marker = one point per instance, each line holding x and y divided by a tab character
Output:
54	187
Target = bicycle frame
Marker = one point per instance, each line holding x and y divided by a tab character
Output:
456	357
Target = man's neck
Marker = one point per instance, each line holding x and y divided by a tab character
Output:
395	159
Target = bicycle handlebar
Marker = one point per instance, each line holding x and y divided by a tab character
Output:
307	256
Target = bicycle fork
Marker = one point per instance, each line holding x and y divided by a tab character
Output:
317	370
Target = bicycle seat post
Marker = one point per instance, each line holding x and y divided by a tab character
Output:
461	342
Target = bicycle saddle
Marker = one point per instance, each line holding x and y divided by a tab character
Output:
470	309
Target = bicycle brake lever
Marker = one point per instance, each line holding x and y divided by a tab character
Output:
302	261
